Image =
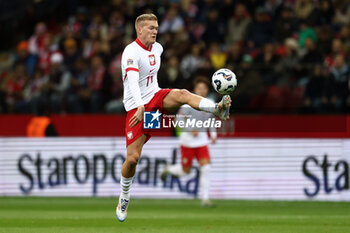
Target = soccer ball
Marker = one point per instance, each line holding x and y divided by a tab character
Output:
224	81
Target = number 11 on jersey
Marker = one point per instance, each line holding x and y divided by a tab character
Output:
148	80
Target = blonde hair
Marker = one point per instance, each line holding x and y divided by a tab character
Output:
145	17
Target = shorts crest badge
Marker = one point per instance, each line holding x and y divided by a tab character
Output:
129	135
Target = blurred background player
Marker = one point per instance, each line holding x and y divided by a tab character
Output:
194	144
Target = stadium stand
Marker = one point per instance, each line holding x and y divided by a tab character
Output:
290	56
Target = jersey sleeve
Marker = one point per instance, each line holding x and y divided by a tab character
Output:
130	64
133	81
130	61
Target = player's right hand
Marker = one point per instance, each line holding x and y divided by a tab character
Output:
137	117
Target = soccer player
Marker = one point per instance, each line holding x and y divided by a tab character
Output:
194	143
140	64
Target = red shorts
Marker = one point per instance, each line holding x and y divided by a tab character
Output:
136	132
188	153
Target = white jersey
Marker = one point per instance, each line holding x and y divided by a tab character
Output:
136	57
186	137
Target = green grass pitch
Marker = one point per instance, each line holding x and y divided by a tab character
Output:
34	214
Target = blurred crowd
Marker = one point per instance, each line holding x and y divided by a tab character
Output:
290	56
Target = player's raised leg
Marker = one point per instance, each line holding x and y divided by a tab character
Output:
178	97
128	172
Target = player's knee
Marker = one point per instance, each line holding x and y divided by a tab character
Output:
204	162
186	170
132	159
183	96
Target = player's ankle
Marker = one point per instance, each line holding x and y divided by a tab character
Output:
125	195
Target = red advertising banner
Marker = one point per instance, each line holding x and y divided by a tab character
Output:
269	126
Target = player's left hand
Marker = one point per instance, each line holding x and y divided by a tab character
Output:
213	140
137	117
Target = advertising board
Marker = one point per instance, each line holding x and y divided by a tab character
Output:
275	169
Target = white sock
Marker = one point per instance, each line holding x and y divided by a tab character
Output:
204	181
176	170
125	184
207	105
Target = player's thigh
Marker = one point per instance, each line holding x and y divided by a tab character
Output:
133	151
202	155
175	98
187	155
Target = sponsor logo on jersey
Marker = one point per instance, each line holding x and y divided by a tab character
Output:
151	120
129	62
152	59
